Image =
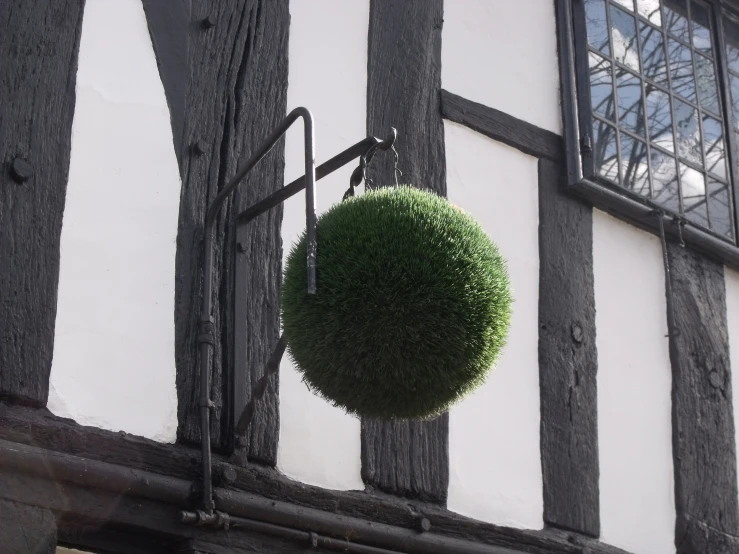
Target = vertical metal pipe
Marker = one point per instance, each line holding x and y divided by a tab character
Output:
207	335
310	201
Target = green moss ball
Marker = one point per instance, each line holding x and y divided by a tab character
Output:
412	308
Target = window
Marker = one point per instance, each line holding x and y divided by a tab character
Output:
657	94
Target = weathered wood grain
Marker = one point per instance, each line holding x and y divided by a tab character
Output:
37	427
26	529
236	94
407	458
568	358
170	24
704	453
39	44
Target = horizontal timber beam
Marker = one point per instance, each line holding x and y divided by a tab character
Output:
37	446
500	126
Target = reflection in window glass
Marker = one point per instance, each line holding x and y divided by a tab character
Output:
650	10
628	4
597	25
715	153
659	131
731	34
653	55
605	151
635	175
694	195
664	181
630	104
676	19
624	38
601	87
734	84
707	89
688	133
681	69
659	117
719	206
701	29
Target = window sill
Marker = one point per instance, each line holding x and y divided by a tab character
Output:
641	215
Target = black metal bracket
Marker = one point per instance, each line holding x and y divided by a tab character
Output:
208	516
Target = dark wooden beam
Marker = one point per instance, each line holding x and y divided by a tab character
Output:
524	136
236	95
170	23
407	458
704	452
568	359
26	529
39	44
39	428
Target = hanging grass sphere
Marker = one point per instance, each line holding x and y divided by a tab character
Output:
412	308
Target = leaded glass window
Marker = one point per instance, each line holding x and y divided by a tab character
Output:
659	127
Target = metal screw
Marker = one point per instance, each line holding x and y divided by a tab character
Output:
228	474
423	524
199	147
21	170
208	22
576	332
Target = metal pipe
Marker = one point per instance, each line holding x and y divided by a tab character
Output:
60	467
206	338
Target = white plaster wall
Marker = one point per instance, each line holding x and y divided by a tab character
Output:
494	455
731	278
113	364
503	54
320	444
637	506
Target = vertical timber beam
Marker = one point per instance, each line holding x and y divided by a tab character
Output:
236	95
39	44
703	442
407	458
568	359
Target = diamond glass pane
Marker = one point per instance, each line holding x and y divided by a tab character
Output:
719	207
597	25
650	10
693	184
601	87
623	35
605	151
635	167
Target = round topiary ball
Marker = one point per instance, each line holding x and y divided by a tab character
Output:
412	308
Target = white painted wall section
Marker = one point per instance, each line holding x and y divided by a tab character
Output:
320	444
731	279
495	460
504	55
113	364
637	506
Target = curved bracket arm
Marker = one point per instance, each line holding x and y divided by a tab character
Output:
206	338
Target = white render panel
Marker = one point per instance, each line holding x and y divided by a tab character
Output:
320	444
637	506
504	55
113	364
495	460
731	278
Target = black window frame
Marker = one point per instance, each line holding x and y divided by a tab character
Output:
578	132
